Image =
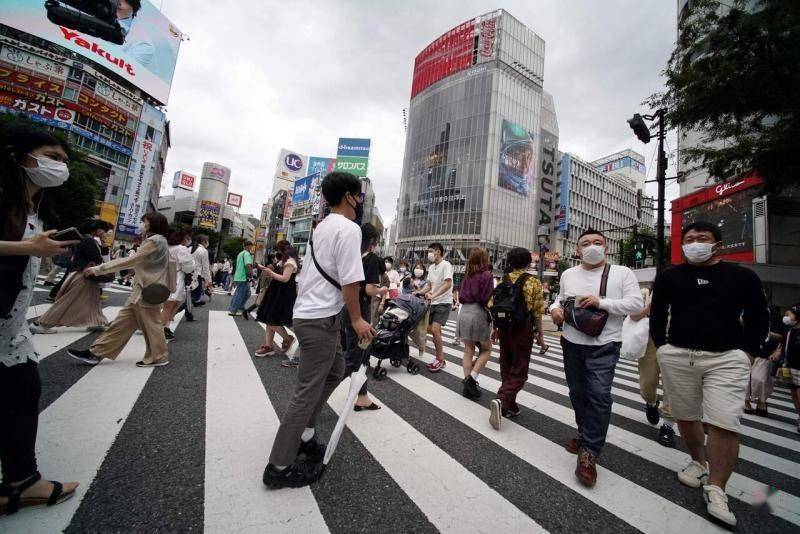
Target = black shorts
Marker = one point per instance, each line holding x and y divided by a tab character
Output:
439	314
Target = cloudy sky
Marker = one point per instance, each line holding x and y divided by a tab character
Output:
270	74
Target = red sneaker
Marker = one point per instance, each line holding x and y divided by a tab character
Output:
573	445
586	470
436	365
264	350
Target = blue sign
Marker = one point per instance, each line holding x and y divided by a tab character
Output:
563	209
353	147
320	165
302	189
293	162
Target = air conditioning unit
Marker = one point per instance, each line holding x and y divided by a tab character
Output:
760	230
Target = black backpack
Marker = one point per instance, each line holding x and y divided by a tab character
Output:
509	307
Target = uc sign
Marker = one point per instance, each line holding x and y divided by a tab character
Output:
293	162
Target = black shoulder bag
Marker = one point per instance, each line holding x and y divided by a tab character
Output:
590	321
325	275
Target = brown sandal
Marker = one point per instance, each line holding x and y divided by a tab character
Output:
16	502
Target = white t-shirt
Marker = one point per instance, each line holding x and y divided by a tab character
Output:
437	274
394	279
337	247
623	297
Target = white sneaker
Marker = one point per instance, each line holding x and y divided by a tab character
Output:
717	505
39	329
693	475
495	413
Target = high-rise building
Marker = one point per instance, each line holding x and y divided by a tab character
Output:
627	164
470	163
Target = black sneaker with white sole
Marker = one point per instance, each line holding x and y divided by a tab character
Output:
651	410
168	334
85	356
162	363
666	436
296	475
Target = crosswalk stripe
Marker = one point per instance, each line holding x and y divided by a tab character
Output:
37	310
240	424
76	431
739	486
47	344
444	490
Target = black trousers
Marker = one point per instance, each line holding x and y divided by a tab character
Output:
20	389
352	353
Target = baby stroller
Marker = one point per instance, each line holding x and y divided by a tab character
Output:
391	341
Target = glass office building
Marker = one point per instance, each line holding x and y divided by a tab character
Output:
472	146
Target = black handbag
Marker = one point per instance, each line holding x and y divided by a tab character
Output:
591	321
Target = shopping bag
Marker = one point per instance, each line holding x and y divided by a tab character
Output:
635	336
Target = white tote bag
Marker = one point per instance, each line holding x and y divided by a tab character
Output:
635	336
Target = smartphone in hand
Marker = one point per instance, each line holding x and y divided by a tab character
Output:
68	234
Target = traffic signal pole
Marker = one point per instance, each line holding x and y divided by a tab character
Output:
661	178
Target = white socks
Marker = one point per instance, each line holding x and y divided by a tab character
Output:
307	434
474	375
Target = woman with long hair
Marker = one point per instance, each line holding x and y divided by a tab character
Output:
276	309
474	322
153	281
31	161
179	253
419	281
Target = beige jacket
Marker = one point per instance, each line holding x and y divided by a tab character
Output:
151	266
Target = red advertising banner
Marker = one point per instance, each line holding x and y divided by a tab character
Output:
450	53
19	79
19	103
97	107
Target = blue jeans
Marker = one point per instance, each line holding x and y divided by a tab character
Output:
239	297
590	373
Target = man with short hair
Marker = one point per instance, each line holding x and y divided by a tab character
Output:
717	315
590	360
244	265
440	276
202	266
330	280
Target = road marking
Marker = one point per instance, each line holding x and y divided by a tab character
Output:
48	344
240	426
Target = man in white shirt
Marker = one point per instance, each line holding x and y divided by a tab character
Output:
328	281
440	277
589	361
202	267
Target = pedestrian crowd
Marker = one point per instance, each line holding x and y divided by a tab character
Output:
703	333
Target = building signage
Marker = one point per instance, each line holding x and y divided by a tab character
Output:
320	165
117	98
291	164
302	189
209	214
517	159
183	180
545	187
30	82
63	115
356	166
618	164
32	62
353	147
487	35
563	209
143	50
234	200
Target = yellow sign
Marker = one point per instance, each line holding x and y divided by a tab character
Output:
108	212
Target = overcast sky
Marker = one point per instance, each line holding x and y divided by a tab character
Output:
260	75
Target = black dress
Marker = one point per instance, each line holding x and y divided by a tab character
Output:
276	308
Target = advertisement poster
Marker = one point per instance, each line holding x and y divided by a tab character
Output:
517	161
545	188
733	215
138	44
209	214
183	180
142	167
234	200
320	165
302	190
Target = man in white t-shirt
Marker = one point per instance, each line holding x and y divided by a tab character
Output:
440	277
589	361
328	281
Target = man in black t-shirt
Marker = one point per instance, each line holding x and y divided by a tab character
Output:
717	316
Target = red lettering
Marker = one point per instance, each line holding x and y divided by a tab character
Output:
68	34
83	42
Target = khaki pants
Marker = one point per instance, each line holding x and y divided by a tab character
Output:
132	316
649	375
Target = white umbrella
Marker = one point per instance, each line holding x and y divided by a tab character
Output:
357	380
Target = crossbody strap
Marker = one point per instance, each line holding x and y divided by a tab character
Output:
604	281
325	275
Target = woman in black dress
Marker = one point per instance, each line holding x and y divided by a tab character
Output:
276	309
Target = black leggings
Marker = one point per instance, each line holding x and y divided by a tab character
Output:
20	389
352	353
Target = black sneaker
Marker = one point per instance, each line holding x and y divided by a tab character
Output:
161	363
294	476
168	334
652	413
85	356
666	436
511	413
48	284
471	389
313	449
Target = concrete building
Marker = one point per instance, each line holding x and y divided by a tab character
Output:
475	107
627	164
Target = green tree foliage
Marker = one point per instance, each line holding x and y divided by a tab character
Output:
232	246
628	252
734	75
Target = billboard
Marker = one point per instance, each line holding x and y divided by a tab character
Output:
545	184
616	165
320	165
209	214
141	47
352	155
183	180
291	164
517	159
356	166
141	169
563	209
234	200
302	189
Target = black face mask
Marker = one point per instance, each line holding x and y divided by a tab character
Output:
359	209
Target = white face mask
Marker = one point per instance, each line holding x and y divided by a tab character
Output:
402	269
418	273
594	254
698	252
48	172
788	321
388	266
431	257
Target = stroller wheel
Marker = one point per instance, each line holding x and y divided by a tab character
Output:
377	371
381	374
412	368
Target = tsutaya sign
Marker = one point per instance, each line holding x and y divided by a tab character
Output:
352	156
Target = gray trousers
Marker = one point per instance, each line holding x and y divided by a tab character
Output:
321	369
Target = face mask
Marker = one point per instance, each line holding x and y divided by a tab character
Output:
48	173
402	269
418	273
388	266
594	254
788	321
359	209
431	257
698	252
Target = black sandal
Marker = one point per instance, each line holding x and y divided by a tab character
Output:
372	406
16	502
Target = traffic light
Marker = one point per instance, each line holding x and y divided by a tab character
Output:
638	255
639	127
